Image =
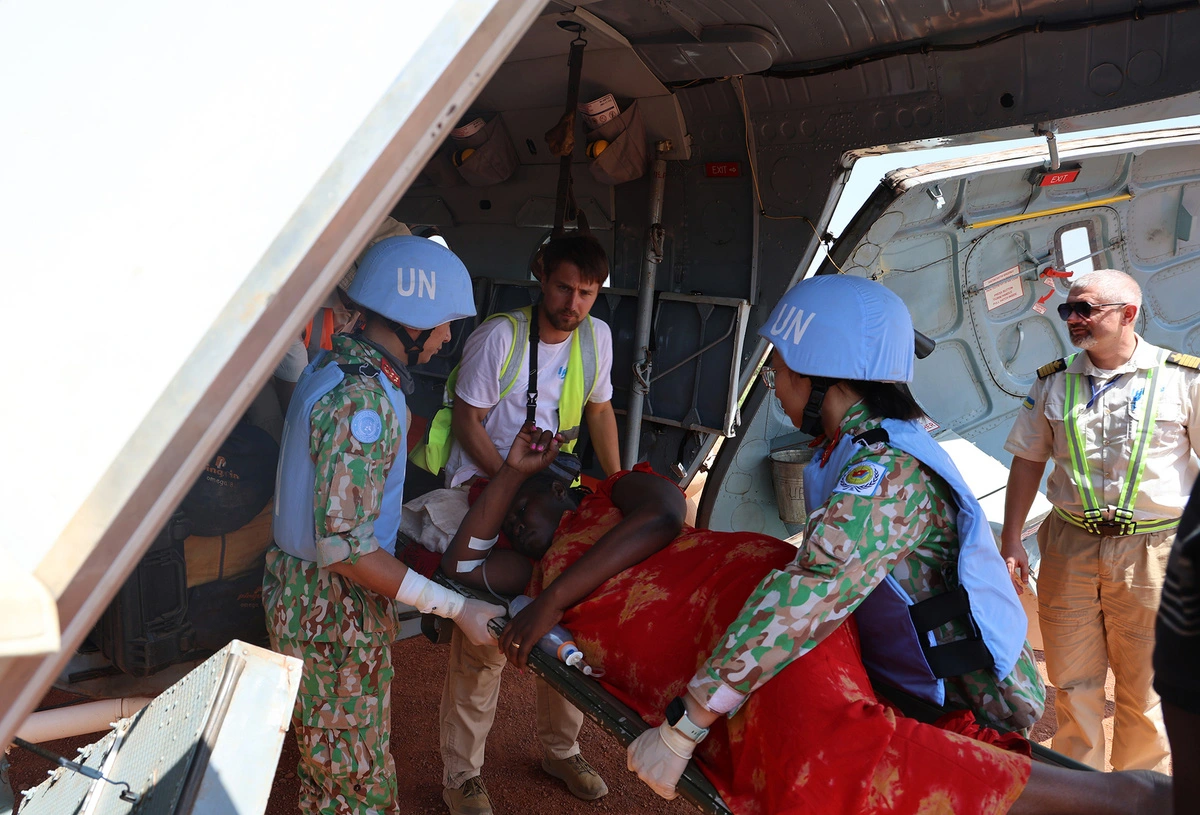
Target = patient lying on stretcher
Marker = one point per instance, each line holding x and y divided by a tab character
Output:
646	599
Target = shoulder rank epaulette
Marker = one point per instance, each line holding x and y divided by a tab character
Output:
1052	368
1186	360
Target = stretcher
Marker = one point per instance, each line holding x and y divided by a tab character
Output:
589	696
620	721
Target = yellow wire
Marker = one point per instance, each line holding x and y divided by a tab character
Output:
754	179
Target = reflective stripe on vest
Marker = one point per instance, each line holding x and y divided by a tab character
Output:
320	330
1137	527
294	526
1093	510
582	365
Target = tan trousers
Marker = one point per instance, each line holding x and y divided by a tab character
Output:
1097	600
469	707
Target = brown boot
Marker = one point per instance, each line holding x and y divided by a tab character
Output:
583	782
469	799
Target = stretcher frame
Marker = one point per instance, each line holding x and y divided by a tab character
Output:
624	724
608	712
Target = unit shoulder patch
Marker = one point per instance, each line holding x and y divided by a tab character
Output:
863	478
366	426
1052	368
1185	360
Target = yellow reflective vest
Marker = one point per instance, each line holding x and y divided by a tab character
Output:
582	366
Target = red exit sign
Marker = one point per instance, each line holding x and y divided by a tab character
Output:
1062	177
722	169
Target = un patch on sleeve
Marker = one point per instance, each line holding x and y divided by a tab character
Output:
863	478
366	426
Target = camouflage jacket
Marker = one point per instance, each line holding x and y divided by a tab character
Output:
906	528
306	601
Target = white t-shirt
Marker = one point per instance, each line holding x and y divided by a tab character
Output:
479	386
293	362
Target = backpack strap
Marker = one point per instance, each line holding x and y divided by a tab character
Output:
359	369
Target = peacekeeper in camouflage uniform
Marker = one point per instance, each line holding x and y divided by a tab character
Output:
331	578
893	525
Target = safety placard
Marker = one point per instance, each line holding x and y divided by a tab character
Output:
1003	288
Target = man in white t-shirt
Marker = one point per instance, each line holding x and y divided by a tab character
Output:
485	424
574	383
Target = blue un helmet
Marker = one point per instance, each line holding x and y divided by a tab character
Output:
415	283
834	327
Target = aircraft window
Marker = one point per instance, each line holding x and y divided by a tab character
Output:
1075	248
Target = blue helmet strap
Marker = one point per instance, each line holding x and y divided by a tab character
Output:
811	422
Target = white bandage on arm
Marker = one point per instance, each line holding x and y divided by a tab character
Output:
482	545
428	597
470	565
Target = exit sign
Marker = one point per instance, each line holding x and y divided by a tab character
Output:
1064	176
722	169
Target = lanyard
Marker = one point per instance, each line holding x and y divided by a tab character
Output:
531	391
1096	394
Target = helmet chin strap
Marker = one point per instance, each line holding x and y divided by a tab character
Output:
810	423
412	346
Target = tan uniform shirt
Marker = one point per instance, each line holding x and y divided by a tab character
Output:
1110	426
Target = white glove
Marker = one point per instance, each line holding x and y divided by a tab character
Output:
473	619
659	757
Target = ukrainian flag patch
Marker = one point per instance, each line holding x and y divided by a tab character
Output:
1027	403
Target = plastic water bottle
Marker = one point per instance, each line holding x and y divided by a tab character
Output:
557	642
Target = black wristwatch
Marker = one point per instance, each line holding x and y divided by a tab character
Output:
677	717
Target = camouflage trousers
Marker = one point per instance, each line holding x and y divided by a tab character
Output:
342	723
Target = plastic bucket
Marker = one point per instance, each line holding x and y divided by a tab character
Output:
787	471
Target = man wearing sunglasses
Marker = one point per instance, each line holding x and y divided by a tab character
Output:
1121	421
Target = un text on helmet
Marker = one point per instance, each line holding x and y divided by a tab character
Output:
790	320
416	280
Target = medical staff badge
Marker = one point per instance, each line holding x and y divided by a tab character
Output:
861	479
366	426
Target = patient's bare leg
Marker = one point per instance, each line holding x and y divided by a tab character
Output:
1059	790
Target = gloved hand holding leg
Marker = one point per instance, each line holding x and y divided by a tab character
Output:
659	757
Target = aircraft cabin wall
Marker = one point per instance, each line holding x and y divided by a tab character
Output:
717	244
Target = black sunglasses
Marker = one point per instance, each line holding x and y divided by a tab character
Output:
1082	308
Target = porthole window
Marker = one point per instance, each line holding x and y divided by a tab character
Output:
1075	248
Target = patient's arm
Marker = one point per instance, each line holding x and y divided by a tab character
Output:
507	572
653	511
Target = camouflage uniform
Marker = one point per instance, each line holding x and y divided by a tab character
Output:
851	544
342	632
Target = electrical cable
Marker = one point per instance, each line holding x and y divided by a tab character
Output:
127	794
1137	14
753	161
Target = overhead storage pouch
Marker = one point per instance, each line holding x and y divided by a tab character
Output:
489	157
624	158
441	170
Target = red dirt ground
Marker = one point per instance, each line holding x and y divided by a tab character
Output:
512	772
